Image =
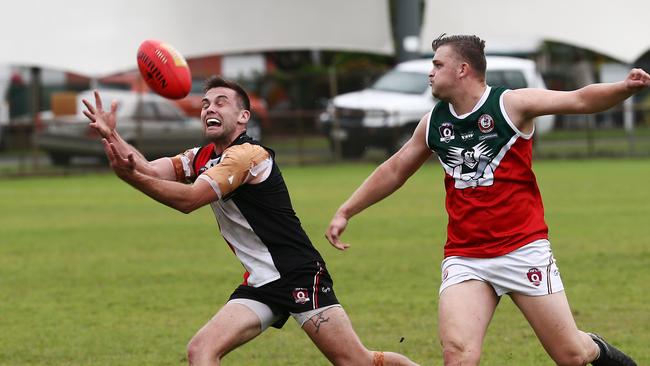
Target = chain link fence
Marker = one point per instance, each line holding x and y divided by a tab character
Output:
294	131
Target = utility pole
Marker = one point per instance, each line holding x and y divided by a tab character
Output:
36	96
408	19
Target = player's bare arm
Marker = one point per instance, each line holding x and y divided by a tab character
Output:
385	180
522	105
182	197
104	123
239	165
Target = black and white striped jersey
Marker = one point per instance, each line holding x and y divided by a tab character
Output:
254	211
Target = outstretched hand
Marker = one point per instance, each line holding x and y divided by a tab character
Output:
335	230
637	79
123	167
102	121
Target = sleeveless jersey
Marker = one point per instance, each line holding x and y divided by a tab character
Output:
256	220
492	198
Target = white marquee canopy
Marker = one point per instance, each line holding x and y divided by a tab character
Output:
617	29
100	38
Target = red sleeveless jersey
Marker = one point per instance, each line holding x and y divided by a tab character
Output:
493	201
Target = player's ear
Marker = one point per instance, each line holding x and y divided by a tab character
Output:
244	115
463	69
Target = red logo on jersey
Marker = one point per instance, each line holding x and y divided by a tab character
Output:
534	276
485	123
300	295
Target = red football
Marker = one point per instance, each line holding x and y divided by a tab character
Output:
164	69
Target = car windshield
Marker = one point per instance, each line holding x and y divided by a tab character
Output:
402	82
511	79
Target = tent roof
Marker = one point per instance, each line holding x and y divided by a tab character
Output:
619	30
100	38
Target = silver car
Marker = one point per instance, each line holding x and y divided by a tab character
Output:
154	125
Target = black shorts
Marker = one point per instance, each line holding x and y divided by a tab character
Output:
305	288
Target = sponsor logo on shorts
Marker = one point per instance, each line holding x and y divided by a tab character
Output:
445	274
534	276
300	295
325	289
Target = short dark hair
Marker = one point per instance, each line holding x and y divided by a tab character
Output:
470	48
216	81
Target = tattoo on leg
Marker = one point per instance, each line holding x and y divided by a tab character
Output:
319	319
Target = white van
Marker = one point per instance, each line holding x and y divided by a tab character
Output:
385	114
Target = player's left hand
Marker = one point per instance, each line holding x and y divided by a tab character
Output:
123	167
335	230
102	121
637	79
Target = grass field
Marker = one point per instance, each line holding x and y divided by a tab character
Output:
94	273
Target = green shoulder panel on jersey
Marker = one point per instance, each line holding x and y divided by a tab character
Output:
479	135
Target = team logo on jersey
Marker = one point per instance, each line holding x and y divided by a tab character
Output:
208	165
485	123
534	276
470	167
469	158
300	295
446	132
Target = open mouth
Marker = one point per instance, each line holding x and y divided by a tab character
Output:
212	122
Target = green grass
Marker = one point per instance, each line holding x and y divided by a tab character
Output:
94	273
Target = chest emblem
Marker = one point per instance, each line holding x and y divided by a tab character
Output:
208	165
446	130
485	123
470	167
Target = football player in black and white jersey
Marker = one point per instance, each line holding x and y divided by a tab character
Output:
285	275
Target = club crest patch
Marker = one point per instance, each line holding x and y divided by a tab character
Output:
534	276
485	123
446	130
300	295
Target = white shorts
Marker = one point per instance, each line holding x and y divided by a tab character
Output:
267	318
530	270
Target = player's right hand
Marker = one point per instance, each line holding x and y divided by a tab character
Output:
637	79
335	230
102	121
124	167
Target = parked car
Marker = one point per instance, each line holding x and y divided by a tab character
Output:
154	125
385	114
